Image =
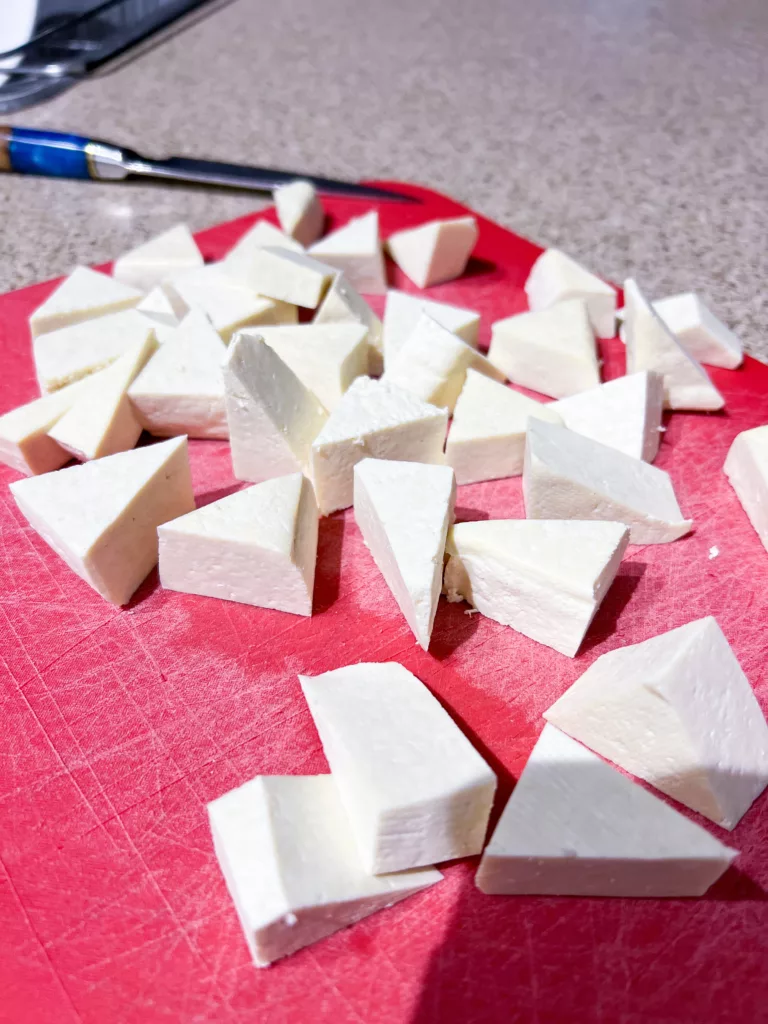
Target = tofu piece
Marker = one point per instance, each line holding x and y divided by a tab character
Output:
83	295
486	439
652	346
290	863
257	546
556	278
678	712
545	579
746	467
434	252
415	789
158	308
343	304
624	414
273	418
237	264
433	364
699	331
325	357
569	476
299	211
551	351
402	312
102	517
377	420
355	250
404	510
574	826
291	277
147	265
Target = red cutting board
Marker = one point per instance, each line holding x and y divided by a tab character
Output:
119	725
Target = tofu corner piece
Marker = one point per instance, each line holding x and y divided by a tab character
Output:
746	467
355	249
574	826
102	517
299	211
415	789
402	312
290	864
678	712
147	265
83	295
699	331
158	308
556	278
237	263
344	304
291	277
434	252
544	579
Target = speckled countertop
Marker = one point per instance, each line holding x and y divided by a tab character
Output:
631	133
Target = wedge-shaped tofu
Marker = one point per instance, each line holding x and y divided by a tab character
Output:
273	418
404	510
624	413
552	351
289	859
544	579
83	295
102	517
291	277
402	312
486	439
375	420
238	261
574	826
569	476
746	467
415	789
677	711
257	546
436	251
150	263
699	331
652	346
158	307
299	211
343	304
555	278
355	249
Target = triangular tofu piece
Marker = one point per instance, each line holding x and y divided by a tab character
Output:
374	419
291	277
699	331
102	517
158	307
299	211
652	346
273	418
546	579
486	439
746	467
181	389
624	413
355	249
257	546
434	252
407	549
266	834
555	277
402	312
415	789
169	253
574	826
83	295
343	304
552	351
238	261
569	476
677	711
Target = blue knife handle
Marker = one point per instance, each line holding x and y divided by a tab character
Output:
54	154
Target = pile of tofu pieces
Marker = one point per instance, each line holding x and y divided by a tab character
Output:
389	417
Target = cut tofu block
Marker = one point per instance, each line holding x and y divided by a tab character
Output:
574	826
624	413
432	364
486	439
81	296
158	307
291	866
150	263
273	418
102	517
343	304
257	546
299	211
238	261
181	389
436	251
291	277
746	467
555	278
402	312
355	249
551	351
545	579
569	476
415	789
375	420
699	331
404	510
677	711
652	346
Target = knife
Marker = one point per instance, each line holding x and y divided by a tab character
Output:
60	155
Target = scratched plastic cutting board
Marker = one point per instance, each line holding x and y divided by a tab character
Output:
118	726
